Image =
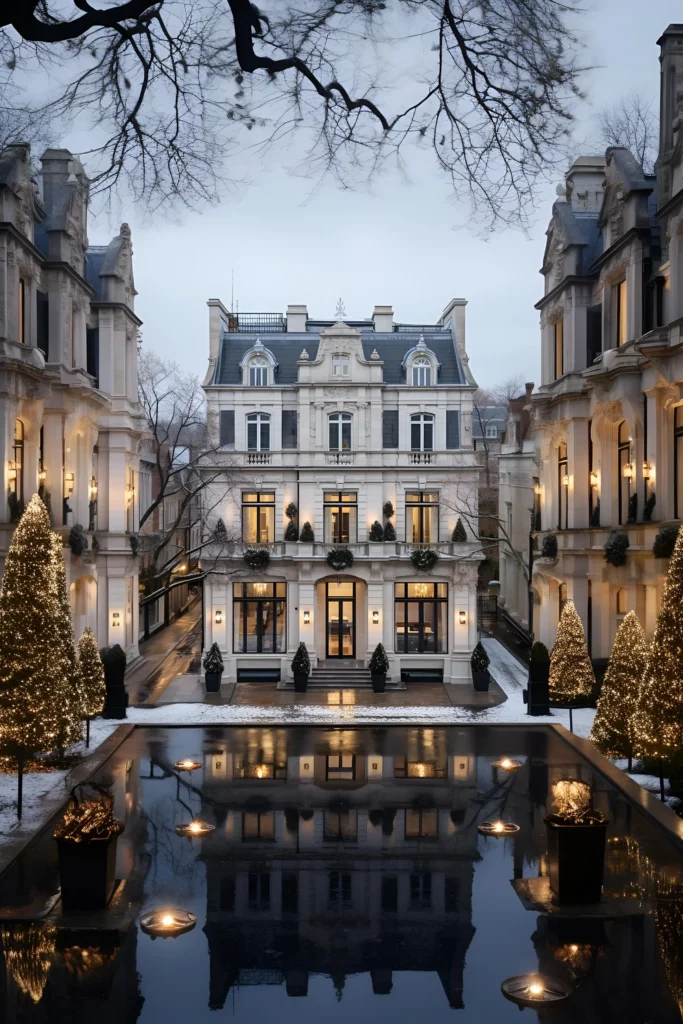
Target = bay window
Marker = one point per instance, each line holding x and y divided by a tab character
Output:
421	617
259	615
422	432
422	517
258	517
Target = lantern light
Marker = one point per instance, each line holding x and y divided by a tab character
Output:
219	618
307	617
594	478
462	617
375	618
169	924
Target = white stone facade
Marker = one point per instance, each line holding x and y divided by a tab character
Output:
69	416
347	431
609	413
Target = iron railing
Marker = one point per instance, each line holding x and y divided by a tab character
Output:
256	323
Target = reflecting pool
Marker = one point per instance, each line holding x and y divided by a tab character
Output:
344	878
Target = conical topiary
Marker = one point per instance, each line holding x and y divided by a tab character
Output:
612	728
571	672
91	674
459	533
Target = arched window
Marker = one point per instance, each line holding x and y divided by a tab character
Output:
422	372
258	372
562	487
422	432
340	431
258	432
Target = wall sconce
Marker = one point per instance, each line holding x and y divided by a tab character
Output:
375	618
11	471
537	490
116	619
93	488
646	470
307	618
42	476
565	480
628	471
219	618
69	483
594	478
463	618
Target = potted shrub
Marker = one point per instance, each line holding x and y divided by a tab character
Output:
306	538
213	669
301	668
292	531
376	538
388	510
389	532
379	666
536	695
86	842
114	662
459	533
78	542
576	835
616	547
665	542
549	546
480	662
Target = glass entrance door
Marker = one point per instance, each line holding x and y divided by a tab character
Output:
341	615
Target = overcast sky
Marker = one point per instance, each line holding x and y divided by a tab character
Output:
290	243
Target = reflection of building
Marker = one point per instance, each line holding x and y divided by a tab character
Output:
341	419
68	353
314	842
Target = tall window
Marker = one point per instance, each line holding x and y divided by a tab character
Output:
422	432
258	825
16	480
339	891
258	432
562	487
421	890
537	504
422	373
340	365
341	766
340	825
678	462
259	617
421	617
622	603
258	372
558	330
561	599
422	517
619	305
340	431
422	823
625	470
259	890
341	514
22	311
258	517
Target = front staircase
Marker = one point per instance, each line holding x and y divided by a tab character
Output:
343	675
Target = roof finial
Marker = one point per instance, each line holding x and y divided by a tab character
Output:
340	311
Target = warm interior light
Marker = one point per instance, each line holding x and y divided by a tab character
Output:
463	618
42	476
375	618
260	589
421	590
628	471
565	479
594	478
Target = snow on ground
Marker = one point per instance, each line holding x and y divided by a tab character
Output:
43	791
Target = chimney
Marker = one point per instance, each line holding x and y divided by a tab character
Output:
296	319
383	319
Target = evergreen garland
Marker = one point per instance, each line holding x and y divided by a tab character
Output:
571	672
612	728
658	722
91	674
39	707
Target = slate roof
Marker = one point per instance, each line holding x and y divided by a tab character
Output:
391	347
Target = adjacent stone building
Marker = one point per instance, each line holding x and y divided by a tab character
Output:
609	411
340	419
69	417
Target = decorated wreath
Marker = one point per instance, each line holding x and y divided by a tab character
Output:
340	558
424	559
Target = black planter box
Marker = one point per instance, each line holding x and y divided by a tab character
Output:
480	680
537	700
87	872
379	681
212	681
116	701
300	683
576	860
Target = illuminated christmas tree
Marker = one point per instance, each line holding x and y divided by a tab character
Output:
37	707
612	728
91	676
571	672
658	722
65	646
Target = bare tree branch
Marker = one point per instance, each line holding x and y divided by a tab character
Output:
631	123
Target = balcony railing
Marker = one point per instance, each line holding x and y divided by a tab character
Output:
339	458
422	458
259	458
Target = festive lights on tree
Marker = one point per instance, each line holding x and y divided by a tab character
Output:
613	725
29	950
571	672
658	721
65	644
91	677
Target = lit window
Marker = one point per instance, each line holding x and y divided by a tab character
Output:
622	601
558	332
562	487
22	311
340	825
341	766
259	618
421	617
422	373
422	517
258	825
340	365
258	373
258	517
340	431
421	823
340	517
258	432
422	432
561	598
620	312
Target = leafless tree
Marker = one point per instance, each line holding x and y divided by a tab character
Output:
631	123
171	86
479	527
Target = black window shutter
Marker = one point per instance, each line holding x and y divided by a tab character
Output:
593	334
227	430
390	428
289	428
93	352
452	428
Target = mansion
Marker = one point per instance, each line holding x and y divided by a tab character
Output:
70	421
335	427
604	474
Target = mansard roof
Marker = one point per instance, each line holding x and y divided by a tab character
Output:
577	228
391	348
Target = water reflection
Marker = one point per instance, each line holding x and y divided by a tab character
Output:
344	870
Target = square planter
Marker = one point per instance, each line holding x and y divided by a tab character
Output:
576	860
379	681
300	684
538	694
212	681
481	680
87	872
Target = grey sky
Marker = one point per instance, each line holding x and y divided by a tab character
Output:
289	241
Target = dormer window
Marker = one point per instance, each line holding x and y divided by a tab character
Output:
422	372
340	365
258	372
492	430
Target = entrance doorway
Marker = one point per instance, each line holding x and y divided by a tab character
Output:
340	620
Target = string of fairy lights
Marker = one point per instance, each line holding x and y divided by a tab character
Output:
571	671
